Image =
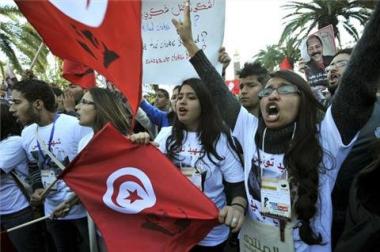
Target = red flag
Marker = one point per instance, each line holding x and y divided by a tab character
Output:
286	64
79	74
137	197
102	34
233	86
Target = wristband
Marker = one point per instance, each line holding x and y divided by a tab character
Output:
238	204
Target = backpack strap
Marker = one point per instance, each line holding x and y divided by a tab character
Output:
21	184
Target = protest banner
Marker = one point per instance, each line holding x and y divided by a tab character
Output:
165	60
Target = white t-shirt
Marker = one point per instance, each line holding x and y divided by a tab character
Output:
84	141
12	157
229	168
65	138
334	154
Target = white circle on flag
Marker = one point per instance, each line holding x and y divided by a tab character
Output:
88	12
129	190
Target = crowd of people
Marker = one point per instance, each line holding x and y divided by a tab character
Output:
321	154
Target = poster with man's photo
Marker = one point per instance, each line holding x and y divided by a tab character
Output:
317	51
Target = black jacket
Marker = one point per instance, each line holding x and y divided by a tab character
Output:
362	230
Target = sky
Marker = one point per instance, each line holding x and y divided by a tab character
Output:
250	25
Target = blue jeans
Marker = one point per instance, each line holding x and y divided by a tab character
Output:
69	235
29	238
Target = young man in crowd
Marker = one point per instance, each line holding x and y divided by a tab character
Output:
162	99
51	134
336	68
252	79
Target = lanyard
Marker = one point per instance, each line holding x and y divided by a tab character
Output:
50	139
283	220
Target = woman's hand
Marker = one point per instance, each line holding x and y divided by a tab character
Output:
139	138
232	216
185	32
184	28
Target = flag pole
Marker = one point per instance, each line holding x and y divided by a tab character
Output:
43	195
36	56
26	224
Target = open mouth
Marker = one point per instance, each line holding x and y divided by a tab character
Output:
334	78
15	116
182	111
272	111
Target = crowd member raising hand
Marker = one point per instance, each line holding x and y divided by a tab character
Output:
289	146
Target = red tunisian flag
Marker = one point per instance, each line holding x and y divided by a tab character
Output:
233	86
286	64
137	197
102	34
78	74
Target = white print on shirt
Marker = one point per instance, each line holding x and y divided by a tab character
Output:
271	166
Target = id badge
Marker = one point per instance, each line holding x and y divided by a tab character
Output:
275	197
48	177
193	175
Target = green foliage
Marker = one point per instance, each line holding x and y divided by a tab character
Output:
20	42
54	74
305	16
269	57
272	56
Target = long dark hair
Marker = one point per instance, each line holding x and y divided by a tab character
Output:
110	108
9	124
210	128
304	156
171	114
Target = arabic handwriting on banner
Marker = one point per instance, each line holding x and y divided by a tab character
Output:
162	48
177	10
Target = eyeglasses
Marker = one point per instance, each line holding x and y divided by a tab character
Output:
341	63
86	102
283	89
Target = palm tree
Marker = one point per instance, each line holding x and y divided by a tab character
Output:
304	16
270	57
290	50
5	41
19	41
273	55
